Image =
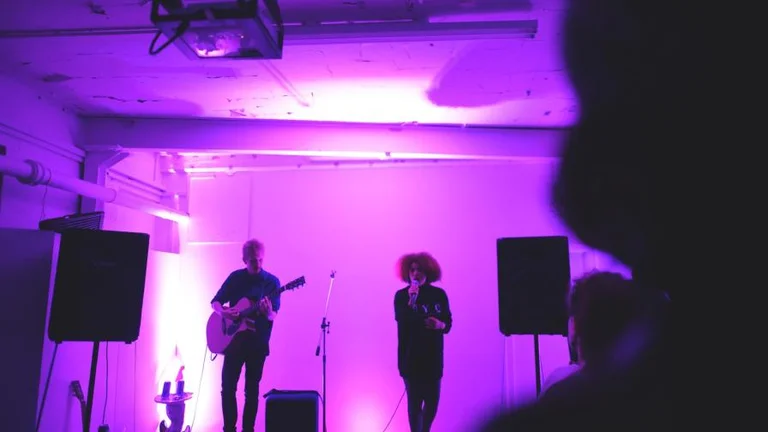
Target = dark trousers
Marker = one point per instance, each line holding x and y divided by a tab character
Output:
423	397
238	354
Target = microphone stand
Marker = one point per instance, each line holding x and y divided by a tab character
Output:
325	328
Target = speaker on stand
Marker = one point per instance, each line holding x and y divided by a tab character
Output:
98	292
534	277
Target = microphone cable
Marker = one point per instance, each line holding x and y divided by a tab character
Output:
394	413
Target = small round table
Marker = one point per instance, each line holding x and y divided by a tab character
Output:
174	409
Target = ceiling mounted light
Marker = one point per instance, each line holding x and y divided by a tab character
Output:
242	29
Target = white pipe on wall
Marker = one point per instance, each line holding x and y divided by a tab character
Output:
34	173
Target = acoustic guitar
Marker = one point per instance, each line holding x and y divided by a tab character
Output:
220	330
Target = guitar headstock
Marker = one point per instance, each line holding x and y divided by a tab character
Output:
77	391
296	283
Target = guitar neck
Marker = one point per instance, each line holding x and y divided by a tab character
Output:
284	288
253	301
280	290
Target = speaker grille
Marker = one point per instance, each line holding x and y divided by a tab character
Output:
98	291
86	221
534	277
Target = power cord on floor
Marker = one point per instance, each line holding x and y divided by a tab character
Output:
199	386
135	356
106	385
117	397
394	413
45	390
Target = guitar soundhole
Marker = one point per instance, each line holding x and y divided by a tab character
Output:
231	329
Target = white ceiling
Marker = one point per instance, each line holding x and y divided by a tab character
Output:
512	82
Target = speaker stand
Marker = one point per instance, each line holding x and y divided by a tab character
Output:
91	387
537	359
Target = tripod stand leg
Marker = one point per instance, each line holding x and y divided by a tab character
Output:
91	387
537	359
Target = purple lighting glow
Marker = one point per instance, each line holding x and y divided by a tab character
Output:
359	222
338	156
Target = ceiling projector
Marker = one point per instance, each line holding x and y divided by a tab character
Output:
242	29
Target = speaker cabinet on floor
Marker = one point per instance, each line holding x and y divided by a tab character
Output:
534	279
292	411
99	286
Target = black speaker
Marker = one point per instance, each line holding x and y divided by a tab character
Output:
292	411
98	291
534	279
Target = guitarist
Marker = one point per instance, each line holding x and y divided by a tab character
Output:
249	348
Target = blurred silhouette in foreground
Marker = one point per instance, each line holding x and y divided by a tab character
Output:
646	74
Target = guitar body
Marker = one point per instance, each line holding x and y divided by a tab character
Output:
220	331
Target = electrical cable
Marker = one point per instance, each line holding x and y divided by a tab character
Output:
394	413
106	385
199	387
45	390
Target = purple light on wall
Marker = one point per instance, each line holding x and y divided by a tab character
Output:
359	222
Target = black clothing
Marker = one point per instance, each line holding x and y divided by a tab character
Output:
419	349
420	352
249	348
423	397
243	351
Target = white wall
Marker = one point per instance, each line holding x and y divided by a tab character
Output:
132	388
358	222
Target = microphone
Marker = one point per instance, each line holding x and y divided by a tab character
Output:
413	296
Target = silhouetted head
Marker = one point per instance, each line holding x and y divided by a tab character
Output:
602	306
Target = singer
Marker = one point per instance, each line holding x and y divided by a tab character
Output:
423	317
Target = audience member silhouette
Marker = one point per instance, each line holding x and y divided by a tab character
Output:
647	76
601	306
